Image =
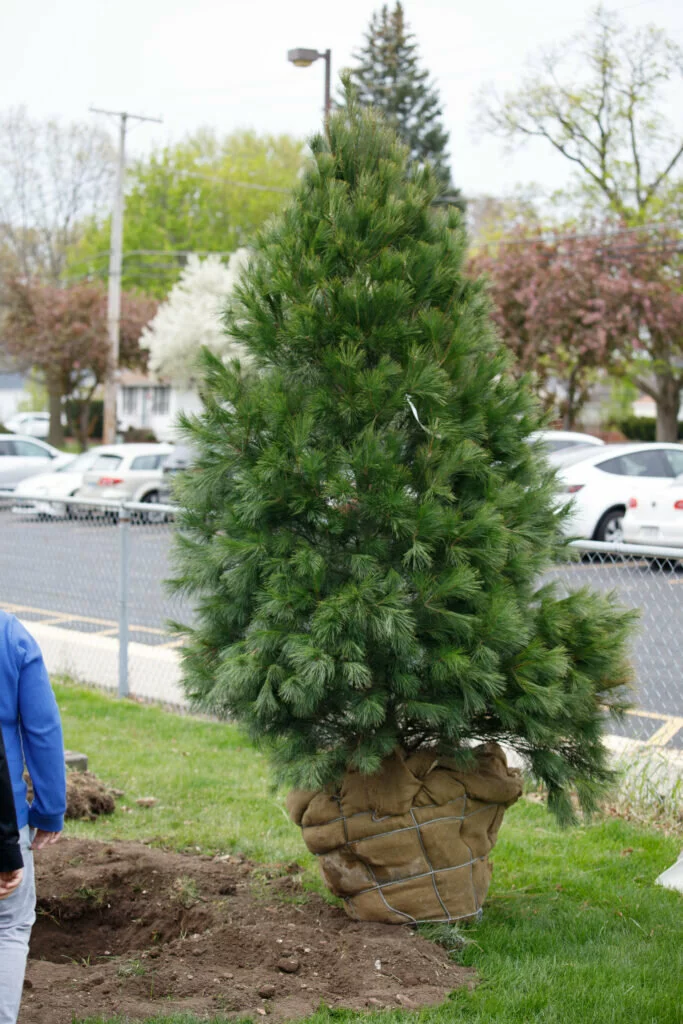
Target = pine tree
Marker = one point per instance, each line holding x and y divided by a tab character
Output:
388	76
367	522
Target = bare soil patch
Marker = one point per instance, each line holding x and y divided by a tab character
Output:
124	928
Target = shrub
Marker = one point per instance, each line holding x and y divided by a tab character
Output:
139	435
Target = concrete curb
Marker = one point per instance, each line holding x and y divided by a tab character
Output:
153	672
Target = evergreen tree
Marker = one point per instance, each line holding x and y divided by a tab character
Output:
388	76
364	530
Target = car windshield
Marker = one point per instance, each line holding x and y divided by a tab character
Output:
568	456
107	462
588	451
79	464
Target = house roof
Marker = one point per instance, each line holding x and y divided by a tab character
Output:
138	379
12	381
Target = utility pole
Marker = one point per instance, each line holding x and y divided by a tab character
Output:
111	382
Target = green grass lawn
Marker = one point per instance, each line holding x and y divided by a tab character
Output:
574	931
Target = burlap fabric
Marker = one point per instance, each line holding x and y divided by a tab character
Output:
410	843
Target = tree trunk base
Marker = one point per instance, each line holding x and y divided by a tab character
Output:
411	843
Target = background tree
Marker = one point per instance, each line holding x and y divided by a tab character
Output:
63	333
205	194
514	266
388	76
573	306
651	356
597	99
192	319
560	305
53	176
366	529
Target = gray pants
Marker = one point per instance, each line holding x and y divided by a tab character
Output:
17	914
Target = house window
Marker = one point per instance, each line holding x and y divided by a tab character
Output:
130	400
161	401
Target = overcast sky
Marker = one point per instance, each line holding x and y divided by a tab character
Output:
223	63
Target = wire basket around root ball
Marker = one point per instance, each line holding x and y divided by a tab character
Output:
410	843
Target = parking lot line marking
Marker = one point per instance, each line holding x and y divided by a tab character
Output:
108	624
55	620
659	715
666	733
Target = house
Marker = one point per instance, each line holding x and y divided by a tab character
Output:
146	403
12	393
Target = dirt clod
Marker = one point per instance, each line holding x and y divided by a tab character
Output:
108	921
87	797
146	801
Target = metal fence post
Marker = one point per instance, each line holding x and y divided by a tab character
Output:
124	567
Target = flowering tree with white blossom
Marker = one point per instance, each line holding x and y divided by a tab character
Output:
191	319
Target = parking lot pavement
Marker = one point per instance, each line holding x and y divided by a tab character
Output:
67	574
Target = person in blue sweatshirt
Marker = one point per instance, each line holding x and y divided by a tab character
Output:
32	737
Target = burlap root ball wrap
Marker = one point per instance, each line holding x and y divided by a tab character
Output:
410	843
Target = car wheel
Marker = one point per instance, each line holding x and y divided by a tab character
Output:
611	527
152	517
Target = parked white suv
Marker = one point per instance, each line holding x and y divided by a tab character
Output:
126	472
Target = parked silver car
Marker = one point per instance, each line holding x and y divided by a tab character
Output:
22	457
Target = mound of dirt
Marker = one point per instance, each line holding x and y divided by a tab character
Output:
126	929
87	796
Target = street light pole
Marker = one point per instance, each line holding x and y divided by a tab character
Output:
328	84
303	58
115	271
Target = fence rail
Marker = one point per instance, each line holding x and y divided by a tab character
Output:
87	576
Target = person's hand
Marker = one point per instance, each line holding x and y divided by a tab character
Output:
42	839
9	881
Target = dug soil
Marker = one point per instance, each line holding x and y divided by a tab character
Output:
126	929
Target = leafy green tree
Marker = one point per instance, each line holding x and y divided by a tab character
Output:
388	76
206	194
367	522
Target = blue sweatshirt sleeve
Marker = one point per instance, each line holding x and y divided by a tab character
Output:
41	735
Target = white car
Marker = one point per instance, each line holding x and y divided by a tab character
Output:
656	517
22	457
564	440
30	424
126	472
601	482
45	494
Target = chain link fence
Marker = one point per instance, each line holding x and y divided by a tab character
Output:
88	579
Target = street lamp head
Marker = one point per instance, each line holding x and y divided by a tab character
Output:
302	58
